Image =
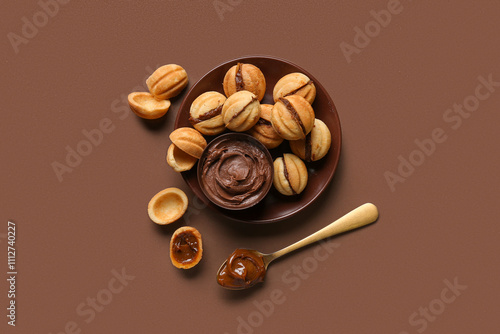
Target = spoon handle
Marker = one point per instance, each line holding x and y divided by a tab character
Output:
361	216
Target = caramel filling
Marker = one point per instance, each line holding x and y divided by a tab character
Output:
287	177
185	247
238	78
293	113
243	269
263	121
296	90
236	114
308	148
206	116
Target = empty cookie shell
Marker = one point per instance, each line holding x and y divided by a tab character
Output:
205	113
263	131
179	160
189	140
316	144
295	84
290	175
241	111
167	206
145	105
245	77
292	117
186	247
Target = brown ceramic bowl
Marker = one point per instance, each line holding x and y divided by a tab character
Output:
227	171
274	207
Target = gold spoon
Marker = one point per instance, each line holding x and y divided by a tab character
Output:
248	267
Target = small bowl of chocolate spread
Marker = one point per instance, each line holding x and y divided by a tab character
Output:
235	171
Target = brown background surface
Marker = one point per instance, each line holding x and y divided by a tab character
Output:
441	223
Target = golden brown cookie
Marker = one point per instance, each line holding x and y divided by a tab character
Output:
186	247
167	206
290	174
295	84
205	113
179	160
241	111
292	117
245	77
167	81
146	106
263	131
189	140
316	144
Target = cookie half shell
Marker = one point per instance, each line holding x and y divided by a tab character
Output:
179	160
189	140
167	81
146	106
167	206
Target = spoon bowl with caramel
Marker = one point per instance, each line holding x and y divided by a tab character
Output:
246	267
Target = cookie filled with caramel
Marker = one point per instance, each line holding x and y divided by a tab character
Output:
295	84
205	113
292	117
316	144
186	247
245	77
290	175
241	111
